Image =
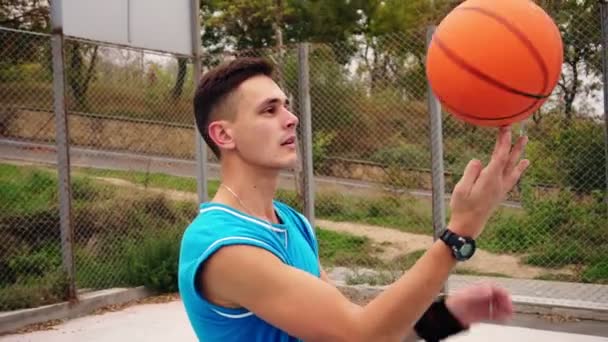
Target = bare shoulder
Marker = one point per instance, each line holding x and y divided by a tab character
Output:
226	269
287	297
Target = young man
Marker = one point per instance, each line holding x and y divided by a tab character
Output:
249	267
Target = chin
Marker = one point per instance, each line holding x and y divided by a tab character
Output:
288	163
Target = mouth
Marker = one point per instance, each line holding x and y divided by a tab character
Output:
291	141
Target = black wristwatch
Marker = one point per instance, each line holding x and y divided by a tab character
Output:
462	247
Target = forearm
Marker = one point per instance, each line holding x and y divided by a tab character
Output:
395	311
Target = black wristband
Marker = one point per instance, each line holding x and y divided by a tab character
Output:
437	323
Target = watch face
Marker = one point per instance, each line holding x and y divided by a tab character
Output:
466	249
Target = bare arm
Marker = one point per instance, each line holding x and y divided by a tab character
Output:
302	304
328	280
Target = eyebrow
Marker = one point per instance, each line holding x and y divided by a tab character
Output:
272	101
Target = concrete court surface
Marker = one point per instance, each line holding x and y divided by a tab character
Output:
168	322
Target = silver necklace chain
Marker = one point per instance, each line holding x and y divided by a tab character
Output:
240	201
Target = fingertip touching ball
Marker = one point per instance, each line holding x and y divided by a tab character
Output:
494	62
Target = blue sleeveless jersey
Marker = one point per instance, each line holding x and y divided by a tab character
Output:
217	225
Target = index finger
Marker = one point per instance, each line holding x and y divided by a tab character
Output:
502	148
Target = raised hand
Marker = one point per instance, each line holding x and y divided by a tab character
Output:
480	190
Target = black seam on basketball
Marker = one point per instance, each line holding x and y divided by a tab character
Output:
520	35
487	78
463	113
480	74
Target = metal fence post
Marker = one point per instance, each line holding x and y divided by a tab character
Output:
604	20
201	151
436	154
437	173
63	155
306	127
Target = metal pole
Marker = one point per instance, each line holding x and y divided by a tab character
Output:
436	155
278	29
437	172
522	132
306	126
63	155
604	20
201	151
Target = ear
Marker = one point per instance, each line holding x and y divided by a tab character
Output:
221	133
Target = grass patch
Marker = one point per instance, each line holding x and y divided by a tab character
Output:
596	273
26	190
114	233
400	212
152	180
341	249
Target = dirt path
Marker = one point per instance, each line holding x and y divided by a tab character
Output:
392	241
395	243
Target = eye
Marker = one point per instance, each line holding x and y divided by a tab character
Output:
271	110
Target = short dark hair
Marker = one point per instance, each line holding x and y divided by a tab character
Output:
215	86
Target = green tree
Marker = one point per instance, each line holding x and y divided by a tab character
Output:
393	43
580	28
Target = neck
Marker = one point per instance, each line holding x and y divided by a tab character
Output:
254	189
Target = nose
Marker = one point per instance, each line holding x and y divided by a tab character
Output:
292	120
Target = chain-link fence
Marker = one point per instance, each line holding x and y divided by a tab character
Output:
129	121
132	169
30	256
371	143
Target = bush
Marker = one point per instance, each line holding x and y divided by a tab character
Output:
510	234
582	157
558	254
34	292
37	279
568	155
153	262
404	155
554	232
37	263
330	204
320	144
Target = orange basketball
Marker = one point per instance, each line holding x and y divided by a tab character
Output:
494	62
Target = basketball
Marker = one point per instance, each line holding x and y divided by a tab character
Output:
493	63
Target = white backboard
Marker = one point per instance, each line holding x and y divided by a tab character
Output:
162	25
